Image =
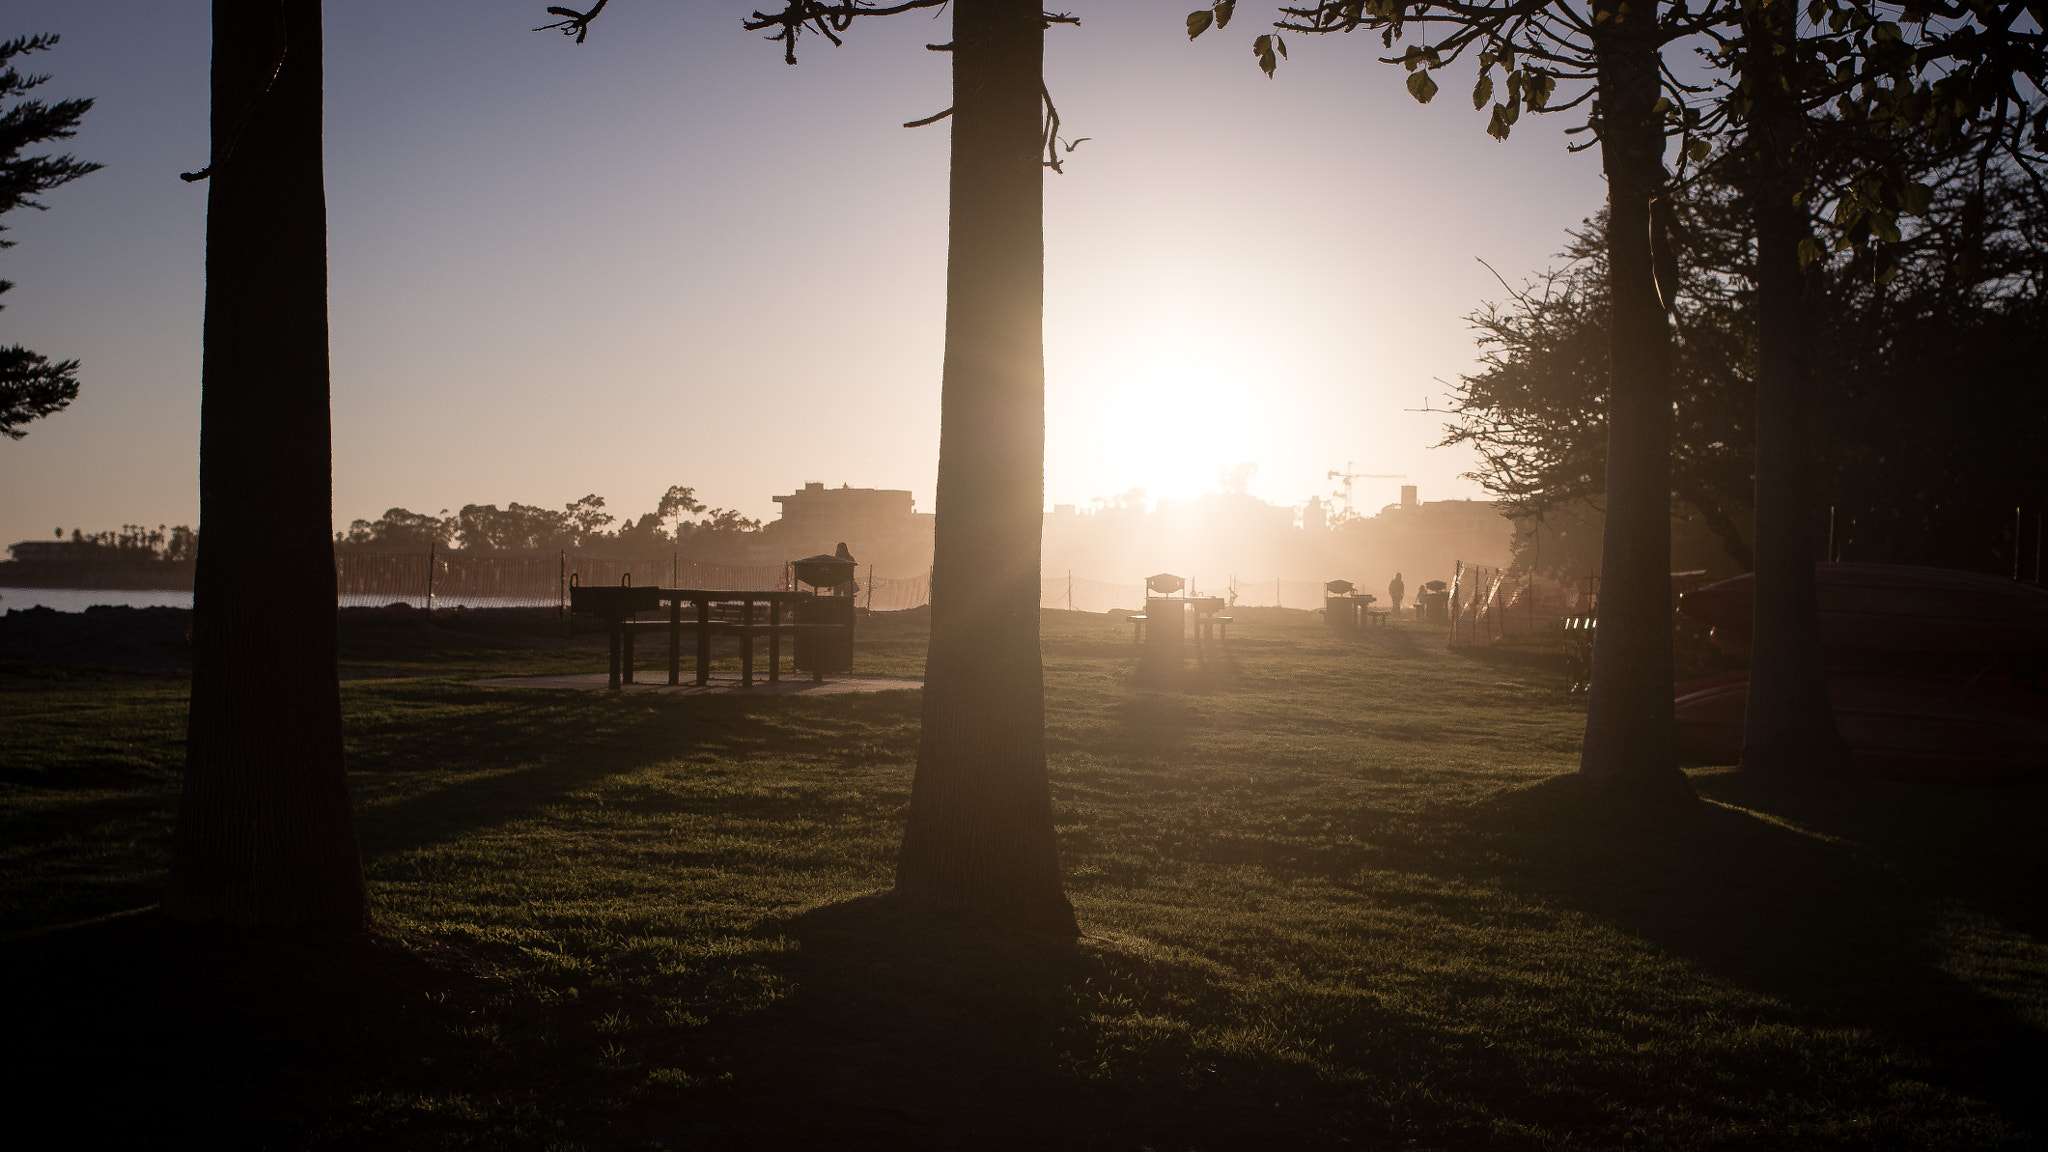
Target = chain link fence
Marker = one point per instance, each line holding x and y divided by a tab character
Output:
1490	605
455	579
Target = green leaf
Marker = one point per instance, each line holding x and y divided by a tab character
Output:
1499	127
1225	9
1886	226
1914	199
1809	251
1198	22
1698	150
1262	48
1280	42
1482	92
1887	31
1422	87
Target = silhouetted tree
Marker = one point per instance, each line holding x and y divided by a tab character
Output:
397	530
1536	412
1615	49
980	831
264	834
526	528
651	528
1790	720
1847	78
32	386
1918	475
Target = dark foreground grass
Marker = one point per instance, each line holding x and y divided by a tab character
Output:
1335	896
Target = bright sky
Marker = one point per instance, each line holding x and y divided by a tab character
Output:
664	257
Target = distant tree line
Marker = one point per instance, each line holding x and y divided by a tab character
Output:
679	522
135	543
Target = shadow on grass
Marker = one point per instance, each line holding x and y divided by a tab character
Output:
1796	890
152	1034
913	1029
564	743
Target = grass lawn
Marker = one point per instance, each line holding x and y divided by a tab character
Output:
1335	896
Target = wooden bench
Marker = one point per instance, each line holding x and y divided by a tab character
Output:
1202	624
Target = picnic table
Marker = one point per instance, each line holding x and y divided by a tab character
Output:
823	640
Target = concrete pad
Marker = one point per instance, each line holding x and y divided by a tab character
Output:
719	686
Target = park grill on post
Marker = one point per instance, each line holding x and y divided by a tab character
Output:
819	651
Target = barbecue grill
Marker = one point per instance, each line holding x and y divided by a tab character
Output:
825	574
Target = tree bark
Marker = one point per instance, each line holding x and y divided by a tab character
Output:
1630	733
1789	725
980	834
264	835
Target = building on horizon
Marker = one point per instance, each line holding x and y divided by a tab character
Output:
880	526
1220	536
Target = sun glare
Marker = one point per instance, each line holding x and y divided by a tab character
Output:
1169	419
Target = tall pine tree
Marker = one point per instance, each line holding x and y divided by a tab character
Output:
33	386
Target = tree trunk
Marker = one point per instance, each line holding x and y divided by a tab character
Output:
1630	735
980	834
1790	722
264	834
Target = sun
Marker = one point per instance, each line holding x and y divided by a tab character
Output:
1169	417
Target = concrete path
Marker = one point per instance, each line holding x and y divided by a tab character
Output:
719	686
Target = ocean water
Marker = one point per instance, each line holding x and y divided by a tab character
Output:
79	599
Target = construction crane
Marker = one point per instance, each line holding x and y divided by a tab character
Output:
1347	476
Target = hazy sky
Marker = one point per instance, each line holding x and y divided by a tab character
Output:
664	257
